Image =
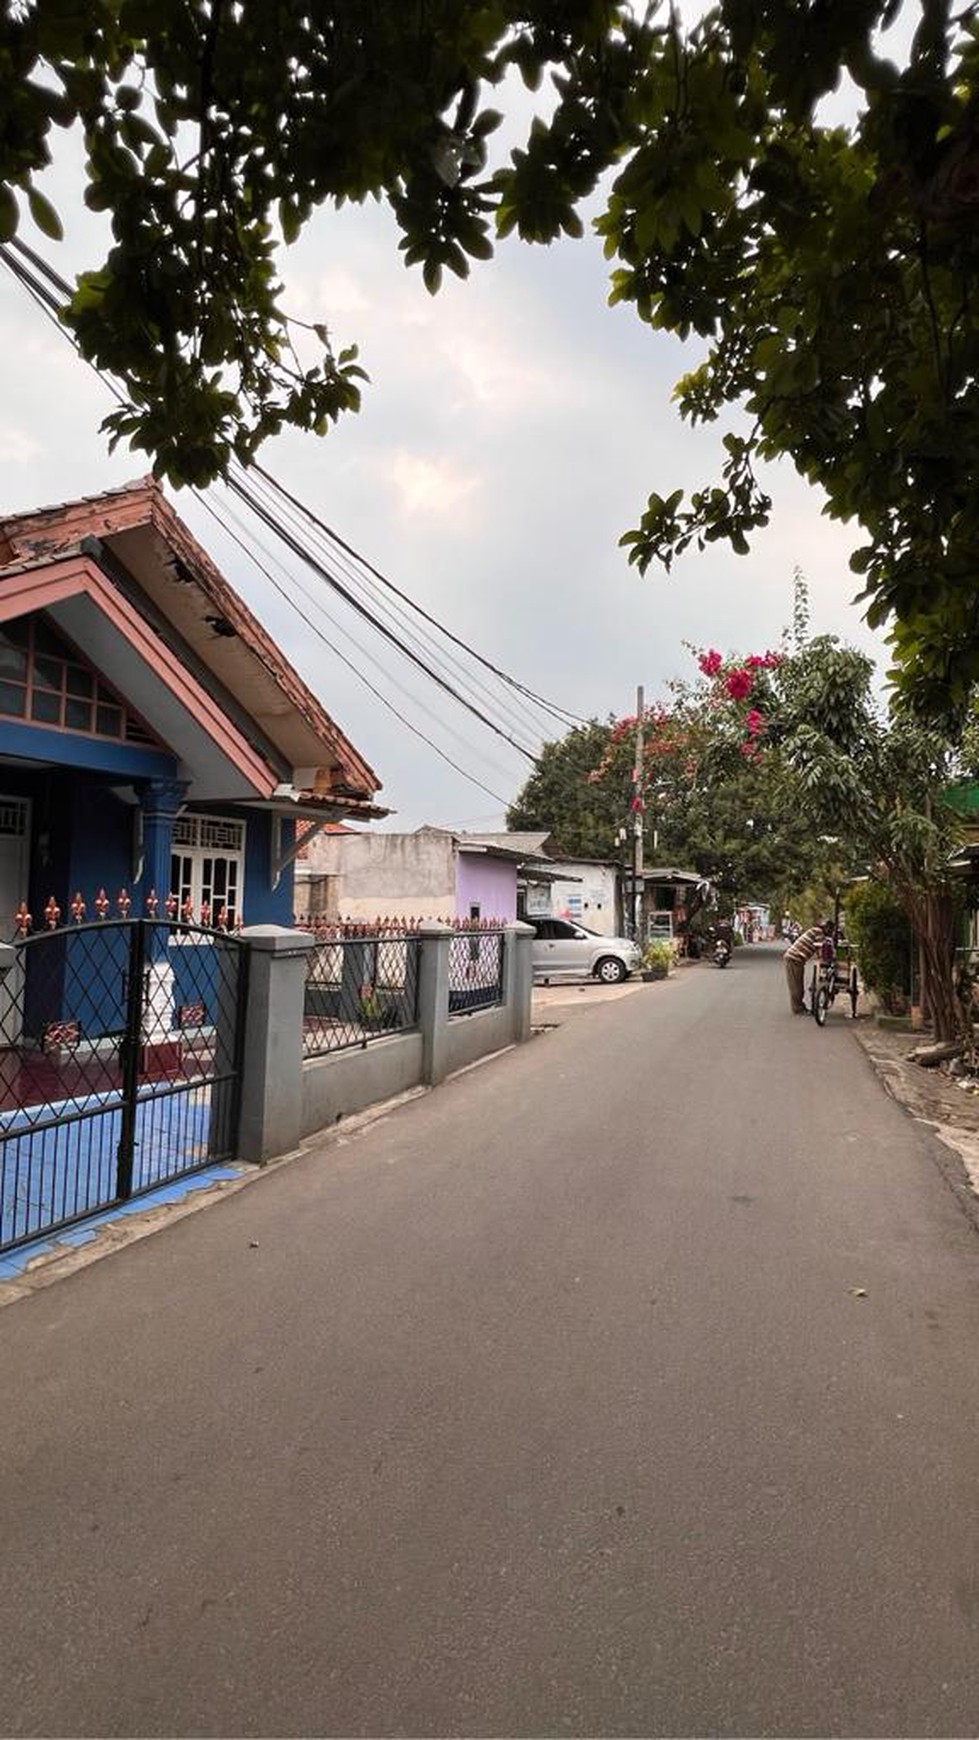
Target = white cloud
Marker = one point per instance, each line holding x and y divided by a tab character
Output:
428	486
328	294
16	447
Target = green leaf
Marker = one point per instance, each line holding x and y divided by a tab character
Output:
44	215
289	220
9	213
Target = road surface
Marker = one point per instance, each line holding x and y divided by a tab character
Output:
627	1384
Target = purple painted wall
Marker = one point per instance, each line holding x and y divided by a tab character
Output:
490	883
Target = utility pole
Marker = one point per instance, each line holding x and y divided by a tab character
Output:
637	821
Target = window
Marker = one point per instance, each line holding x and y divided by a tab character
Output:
45	680
207	867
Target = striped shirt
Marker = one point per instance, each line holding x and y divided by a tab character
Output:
806	945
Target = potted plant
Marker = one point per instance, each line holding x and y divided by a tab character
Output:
657	958
372	1011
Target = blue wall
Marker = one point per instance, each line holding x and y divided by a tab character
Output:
263	904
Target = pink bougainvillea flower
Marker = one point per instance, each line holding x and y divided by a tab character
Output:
754	722
738	684
710	662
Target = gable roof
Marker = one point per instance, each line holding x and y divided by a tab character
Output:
151	556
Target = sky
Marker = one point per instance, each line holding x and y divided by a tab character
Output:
511	431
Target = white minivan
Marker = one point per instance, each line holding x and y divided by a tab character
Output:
563	950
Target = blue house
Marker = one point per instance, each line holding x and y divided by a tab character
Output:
156	748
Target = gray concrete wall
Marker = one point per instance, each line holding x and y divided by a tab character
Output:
272	1060
286	1097
347	1082
384	875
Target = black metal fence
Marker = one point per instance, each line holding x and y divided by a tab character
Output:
475	970
120	1065
361	985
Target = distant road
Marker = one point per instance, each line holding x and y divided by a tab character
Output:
626	1385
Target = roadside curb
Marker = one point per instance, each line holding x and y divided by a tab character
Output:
929	1100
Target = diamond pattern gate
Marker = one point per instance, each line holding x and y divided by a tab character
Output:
120	1066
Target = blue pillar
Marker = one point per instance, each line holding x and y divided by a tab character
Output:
160	801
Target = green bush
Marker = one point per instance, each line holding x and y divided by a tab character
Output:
657	957
881	935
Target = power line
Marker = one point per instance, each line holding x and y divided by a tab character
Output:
50	304
516	713
248	548
312	561
538	700
334	539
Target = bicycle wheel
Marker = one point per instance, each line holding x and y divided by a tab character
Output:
820	1005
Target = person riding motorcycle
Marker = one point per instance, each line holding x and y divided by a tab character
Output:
722	942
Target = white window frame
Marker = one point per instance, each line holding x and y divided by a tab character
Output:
197	842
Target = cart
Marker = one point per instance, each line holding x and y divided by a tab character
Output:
833	974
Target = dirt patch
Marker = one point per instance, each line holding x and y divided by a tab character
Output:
934	1097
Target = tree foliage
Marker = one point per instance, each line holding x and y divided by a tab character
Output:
831	273
828	270
706	798
883	785
213	131
771	775
878	926
560	798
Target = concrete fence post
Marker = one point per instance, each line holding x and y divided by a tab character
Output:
272	1067
433	998
518	980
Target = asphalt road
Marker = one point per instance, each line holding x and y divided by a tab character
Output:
628	1384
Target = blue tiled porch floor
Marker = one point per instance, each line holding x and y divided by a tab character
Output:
13	1263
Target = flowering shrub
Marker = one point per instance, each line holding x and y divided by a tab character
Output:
739	684
722	716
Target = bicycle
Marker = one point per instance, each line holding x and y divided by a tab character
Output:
832	976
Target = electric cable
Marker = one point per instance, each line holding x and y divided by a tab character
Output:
248	493
516	713
558	712
247	543
563	715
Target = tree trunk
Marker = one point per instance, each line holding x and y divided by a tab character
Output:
934	919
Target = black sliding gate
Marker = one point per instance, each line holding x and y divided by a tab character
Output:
120	1066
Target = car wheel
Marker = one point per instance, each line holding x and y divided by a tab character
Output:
610	970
